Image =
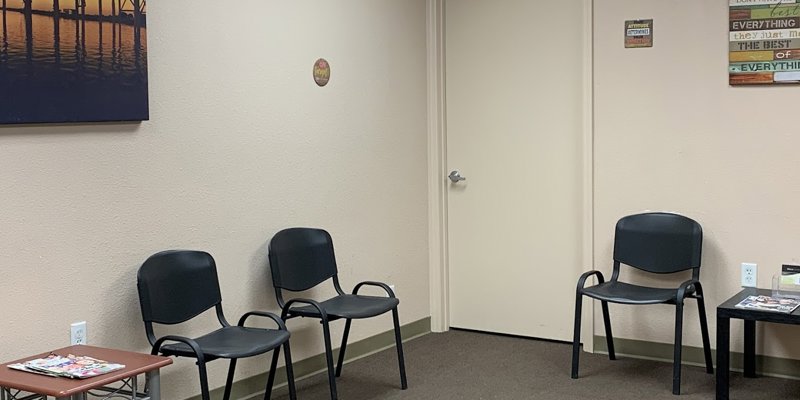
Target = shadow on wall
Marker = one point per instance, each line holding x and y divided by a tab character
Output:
120	308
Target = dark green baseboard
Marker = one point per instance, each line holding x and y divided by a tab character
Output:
254	385
765	365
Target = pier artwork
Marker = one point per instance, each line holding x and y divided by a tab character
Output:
73	61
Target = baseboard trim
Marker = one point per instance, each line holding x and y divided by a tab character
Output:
253	386
765	365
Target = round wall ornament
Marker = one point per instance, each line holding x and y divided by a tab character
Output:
322	72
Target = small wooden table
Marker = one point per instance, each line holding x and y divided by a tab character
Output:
75	389
728	310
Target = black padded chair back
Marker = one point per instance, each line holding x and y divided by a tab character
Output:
658	242
301	258
176	285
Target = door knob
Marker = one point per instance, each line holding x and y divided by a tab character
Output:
456	177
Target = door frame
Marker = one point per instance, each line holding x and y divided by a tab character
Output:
438	258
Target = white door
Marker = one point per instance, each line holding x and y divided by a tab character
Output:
514	112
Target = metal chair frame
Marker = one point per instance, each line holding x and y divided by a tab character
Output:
324	316
197	350
647	262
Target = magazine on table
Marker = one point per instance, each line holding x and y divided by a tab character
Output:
767	303
69	366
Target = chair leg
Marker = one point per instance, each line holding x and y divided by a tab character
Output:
701	308
326	333
676	366
576	338
343	348
289	371
273	365
399	344
229	381
612	355
203	381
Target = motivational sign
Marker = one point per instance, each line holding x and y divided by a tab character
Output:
639	33
764	42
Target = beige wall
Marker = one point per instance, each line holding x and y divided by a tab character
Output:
241	143
671	134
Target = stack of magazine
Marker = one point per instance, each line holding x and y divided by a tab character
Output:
69	366
767	303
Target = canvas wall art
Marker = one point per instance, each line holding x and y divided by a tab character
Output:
764	43
73	61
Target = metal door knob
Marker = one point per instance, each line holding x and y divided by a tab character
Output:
456	177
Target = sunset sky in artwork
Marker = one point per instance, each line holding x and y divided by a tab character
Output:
91	5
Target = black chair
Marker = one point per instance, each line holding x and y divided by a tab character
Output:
175	286
660	243
301	258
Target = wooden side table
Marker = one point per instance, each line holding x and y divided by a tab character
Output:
76	389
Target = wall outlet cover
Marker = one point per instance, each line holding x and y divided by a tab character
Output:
77	333
749	274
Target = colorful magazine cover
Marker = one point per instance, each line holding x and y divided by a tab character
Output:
69	366
767	303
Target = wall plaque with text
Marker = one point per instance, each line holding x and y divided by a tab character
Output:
764	42
639	33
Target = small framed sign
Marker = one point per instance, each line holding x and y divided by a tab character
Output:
639	33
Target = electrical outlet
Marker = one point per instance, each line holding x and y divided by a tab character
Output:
77	333
749	274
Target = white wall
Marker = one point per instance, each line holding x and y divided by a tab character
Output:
241	143
670	134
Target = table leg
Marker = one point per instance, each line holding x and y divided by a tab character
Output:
723	356
749	348
154	384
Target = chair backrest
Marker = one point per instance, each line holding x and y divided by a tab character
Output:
176	285
658	242
301	258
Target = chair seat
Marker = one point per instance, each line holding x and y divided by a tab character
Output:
231	342
350	306
626	293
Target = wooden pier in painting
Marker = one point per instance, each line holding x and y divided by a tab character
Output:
126	18
133	15
123	12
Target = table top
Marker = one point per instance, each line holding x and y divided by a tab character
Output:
728	309
135	364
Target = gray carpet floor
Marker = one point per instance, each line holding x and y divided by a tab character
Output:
468	365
